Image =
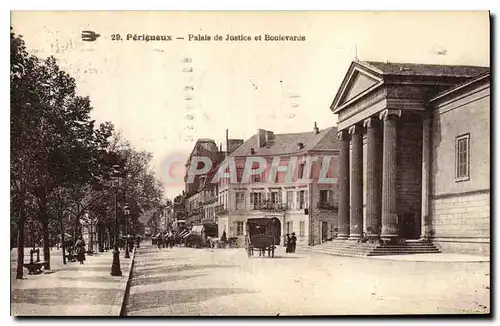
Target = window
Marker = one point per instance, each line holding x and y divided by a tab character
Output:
300	173
289	199
323	196
302	199
255	199
239	174
274	197
302	231
256	178
240	200
462	158
289	227
239	228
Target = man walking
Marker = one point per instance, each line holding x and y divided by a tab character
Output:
293	241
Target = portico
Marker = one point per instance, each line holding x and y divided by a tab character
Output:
381	110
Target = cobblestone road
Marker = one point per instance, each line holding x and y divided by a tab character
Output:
207	282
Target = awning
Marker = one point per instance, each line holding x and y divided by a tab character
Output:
186	235
197	229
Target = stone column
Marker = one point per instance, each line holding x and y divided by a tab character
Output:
356	222
343	216
373	182
390	222
426	224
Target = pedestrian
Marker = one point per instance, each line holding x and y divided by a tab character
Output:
170	240
288	243
293	241
80	250
159	241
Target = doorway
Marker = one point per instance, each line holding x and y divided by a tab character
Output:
324	231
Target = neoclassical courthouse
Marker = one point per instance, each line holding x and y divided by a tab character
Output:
415	154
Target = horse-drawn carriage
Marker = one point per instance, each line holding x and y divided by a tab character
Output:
263	234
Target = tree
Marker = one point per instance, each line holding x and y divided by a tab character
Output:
24	139
54	143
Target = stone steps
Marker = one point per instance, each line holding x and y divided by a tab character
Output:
354	249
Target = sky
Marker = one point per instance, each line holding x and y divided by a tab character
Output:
237	85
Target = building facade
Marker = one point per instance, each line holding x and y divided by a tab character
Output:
297	199
414	154
200	197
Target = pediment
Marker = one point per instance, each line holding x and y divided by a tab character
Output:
357	82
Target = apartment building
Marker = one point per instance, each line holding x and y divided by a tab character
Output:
290	187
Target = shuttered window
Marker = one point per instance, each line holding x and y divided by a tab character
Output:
462	158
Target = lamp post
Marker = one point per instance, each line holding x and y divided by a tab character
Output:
127	212
115	267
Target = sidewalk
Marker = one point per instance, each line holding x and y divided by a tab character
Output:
71	289
434	257
440	257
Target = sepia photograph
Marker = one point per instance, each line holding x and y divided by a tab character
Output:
250	163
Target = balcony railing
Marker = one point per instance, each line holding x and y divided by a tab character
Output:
327	206
266	206
220	210
210	201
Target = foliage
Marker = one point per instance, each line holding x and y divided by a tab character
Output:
61	161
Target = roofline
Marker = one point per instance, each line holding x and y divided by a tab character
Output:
475	80
325	130
309	151
346	78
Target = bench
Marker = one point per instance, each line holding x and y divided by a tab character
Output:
34	267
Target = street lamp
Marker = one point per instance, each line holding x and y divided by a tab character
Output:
127	212
115	267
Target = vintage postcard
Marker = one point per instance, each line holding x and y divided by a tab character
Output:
250	163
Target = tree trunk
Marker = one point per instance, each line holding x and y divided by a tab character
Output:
20	244
45	231
46	243
63	247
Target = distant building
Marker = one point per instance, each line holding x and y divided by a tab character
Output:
301	204
166	215
200	195
414	154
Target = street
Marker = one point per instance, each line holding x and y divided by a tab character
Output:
211	282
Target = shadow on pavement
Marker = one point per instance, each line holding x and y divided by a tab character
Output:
147	260
276	257
174	269
158	299
64	296
162	279
97	279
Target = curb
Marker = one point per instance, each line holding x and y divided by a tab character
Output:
414	257
127	285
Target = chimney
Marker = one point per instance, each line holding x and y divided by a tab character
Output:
316	129
261	138
233	145
227	140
